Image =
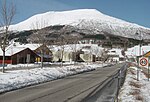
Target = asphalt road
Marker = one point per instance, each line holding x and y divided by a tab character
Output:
78	88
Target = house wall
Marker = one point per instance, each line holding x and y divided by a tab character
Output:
113	59
67	56
87	57
47	53
7	60
21	57
56	56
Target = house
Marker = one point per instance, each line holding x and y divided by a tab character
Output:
87	57
16	55
76	52
137	50
115	55
47	54
38	48
134	52
147	54
90	52
67	56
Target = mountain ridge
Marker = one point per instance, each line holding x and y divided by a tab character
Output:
84	18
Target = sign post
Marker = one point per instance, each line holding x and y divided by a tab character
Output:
143	62
148	68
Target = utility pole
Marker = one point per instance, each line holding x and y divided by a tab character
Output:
140	44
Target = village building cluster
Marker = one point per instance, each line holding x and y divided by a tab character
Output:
17	53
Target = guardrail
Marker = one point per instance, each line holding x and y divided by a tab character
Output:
109	90
121	74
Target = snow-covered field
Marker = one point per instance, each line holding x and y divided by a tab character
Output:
20	78
133	90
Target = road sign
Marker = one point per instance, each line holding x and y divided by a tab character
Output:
143	62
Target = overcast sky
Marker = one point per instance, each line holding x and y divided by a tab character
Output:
135	11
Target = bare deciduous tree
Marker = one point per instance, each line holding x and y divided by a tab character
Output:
39	36
63	40
104	55
98	52
74	39
7	12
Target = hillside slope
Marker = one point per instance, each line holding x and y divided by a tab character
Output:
90	19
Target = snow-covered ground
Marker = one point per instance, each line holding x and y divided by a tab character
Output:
133	90
14	79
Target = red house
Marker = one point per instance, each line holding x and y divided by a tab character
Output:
16	55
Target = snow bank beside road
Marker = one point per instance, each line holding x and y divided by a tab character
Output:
133	90
20	78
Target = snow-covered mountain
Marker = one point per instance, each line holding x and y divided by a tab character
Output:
90	19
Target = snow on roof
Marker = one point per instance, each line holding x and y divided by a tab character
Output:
94	48
16	47
115	51
68	48
11	51
134	51
30	46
